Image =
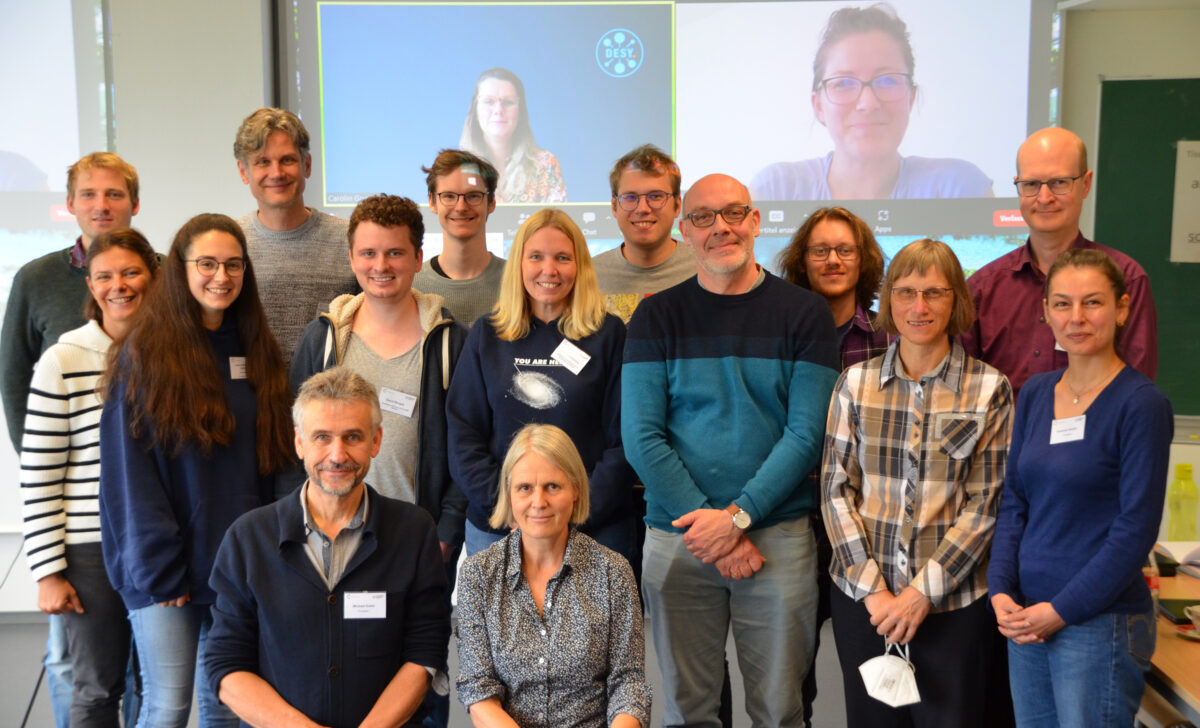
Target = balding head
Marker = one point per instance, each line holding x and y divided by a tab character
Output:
1053	141
711	181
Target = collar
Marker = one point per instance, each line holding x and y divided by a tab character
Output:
310	525
78	254
1024	258
861	320
573	558
949	372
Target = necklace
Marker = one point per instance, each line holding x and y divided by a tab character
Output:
1104	380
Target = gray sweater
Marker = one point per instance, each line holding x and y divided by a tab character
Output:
467	299
299	271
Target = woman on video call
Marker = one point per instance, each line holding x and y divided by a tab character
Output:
863	92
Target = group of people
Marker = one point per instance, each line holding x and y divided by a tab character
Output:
196	454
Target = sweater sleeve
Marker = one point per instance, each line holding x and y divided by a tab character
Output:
1146	425
469	426
628	691
45	455
426	608
137	521
309	354
1003	576
454	502
477	676
1138	345
20	345
232	644
611	480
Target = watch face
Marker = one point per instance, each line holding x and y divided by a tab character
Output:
741	519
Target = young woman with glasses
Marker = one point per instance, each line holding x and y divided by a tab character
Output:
195	424
863	92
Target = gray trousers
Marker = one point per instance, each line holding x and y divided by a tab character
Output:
97	640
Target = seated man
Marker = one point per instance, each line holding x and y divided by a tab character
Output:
331	606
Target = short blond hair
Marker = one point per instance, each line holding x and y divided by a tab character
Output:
918	257
103	160
585	304
556	446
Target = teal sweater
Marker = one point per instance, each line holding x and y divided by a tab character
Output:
724	399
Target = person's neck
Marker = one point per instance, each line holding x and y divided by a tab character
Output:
843	308
1048	246
1085	373
920	359
331	513
729	284
645	256
498	151
281	219
464	259
212	321
545	313
85	241
388	313
117	330
543	554
873	178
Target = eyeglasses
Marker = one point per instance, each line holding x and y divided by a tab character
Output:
821	252
505	102
450	199
886	87
1058	185
629	201
234	267
931	295
732	215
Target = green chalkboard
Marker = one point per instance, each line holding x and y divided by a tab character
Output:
1140	123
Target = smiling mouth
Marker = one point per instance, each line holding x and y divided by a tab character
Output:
121	300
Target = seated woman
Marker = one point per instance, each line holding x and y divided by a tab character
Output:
914	457
549	621
497	129
863	92
548	353
1080	511
60	476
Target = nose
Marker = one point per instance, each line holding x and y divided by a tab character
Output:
1044	194
867	98
221	274
643	204
920	305
461	203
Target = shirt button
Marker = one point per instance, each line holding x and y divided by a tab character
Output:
1037	352
1042	319
332	599
333	671
547	602
543	633
541	660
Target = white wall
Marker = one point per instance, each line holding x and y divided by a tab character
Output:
1120	44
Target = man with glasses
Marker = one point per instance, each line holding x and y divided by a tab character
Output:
724	391
645	201
1010	331
462	193
300	265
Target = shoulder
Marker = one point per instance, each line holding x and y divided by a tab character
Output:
609	260
941	177
49	266
329	222
985	276
262	523
801	180
399	518
1131	269
1140	396
545	157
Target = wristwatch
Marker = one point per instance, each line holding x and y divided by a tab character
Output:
741	519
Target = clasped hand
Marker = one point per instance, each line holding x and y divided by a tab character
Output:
711	537
1033	624
897	616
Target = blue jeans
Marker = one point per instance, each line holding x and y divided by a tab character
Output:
773	615
58	671
1087	675
170	644
476	539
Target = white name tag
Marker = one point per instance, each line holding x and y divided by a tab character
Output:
1058	346
571	356
365	605
1068	429
397	402
237	367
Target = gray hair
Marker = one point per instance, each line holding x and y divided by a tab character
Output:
336	384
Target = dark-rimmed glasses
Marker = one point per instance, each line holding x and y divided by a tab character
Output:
821	252
207	265
450	199
886	86
629	201
1057	185
732	215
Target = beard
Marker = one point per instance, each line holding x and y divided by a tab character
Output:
360	472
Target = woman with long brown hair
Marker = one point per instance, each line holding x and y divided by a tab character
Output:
195	425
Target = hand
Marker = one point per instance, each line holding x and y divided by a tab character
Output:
743	562
57	596
878	603
1040	622
898	622
710	533
447	551
1007	620
177	601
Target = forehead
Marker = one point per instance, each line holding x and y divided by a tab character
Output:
636	180
533	465
331	415
373	235
1079	280
466	178
871	52
497	87
1048	159
930	277
832	230
278	144
115	258
549	238
216	243
716	193
101	178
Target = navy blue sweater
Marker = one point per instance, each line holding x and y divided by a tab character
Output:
500	386
162	516
1077	519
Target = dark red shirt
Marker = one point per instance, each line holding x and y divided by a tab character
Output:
1010	330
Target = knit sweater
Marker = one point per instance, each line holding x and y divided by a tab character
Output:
724	397
299	271
60	451
467	298
625	284
45	302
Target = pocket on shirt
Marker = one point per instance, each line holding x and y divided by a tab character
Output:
958	432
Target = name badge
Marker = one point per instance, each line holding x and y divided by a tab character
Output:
571	356
1068	429
397	402
1058	346
237	367
365	605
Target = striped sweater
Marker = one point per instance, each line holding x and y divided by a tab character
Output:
60	449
